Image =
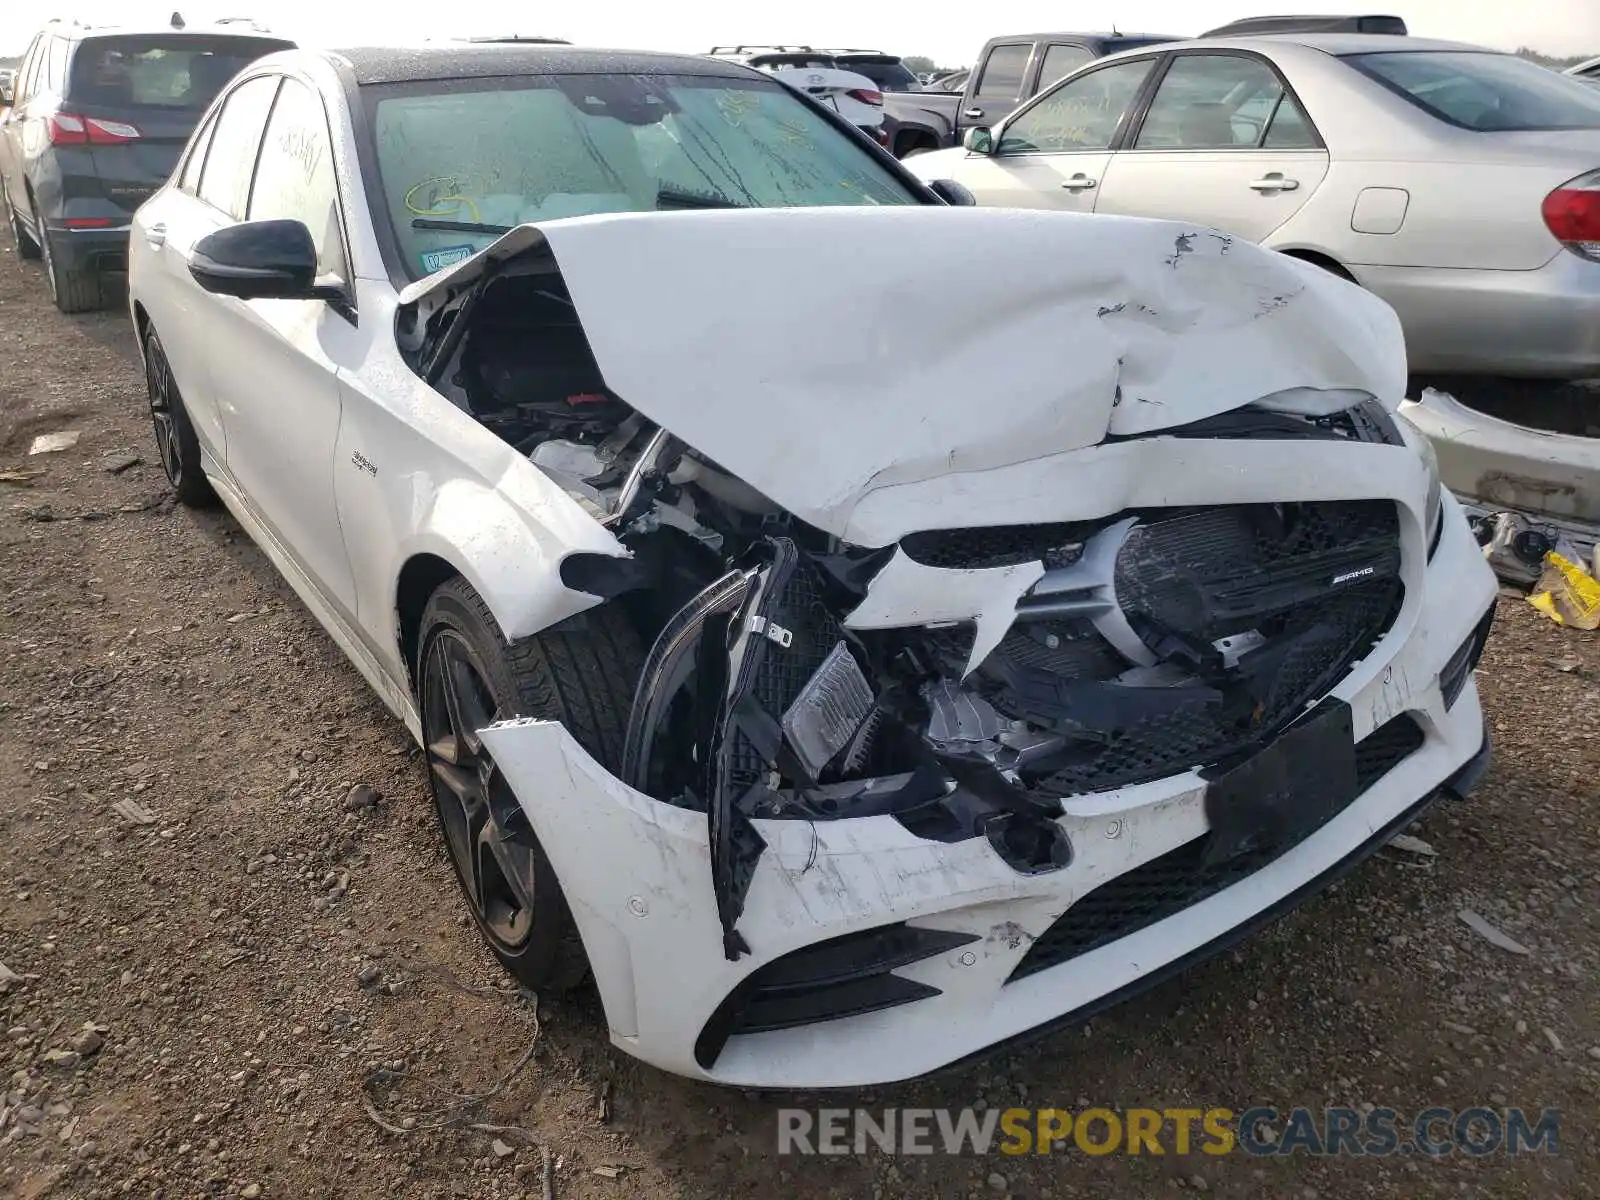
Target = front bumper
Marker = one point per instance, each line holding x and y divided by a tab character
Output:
1494	466
637	874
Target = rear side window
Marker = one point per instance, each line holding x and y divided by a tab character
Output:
56	74
160	71
29	71
1002	74
1221	102
231	157
190	179
1484	92
1061	61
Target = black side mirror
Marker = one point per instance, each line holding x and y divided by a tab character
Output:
258	260
953	193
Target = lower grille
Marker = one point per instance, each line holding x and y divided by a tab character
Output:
842	977
1454	676
1167	885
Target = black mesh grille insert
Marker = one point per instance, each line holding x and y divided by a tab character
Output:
1454	676
1319	583
1169	884
998	545
842	977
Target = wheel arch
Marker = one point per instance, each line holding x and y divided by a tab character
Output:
420	576
1318	258
514	564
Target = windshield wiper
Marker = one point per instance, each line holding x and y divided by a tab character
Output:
460	226
677	198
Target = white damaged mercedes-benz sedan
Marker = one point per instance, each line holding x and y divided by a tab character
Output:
857	631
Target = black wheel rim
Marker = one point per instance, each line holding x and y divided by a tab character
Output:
163	403
477	810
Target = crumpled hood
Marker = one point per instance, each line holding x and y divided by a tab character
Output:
819	354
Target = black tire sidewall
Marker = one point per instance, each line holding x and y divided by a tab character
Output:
192	487
546	959
72	291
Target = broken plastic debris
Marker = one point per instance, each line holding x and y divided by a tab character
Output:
23	476
47	443
1516	547
1489	933
608	1172
1413	845
1567	594
133	812
7	975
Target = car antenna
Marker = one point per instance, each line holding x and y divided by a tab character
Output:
1115	32
177	20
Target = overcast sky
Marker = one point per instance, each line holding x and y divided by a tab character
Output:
949	33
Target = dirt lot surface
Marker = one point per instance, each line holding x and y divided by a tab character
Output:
248	944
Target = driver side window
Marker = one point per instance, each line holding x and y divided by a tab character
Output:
1081	115
294	177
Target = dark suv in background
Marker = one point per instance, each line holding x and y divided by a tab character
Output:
98	120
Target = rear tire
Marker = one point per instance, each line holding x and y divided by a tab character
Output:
27	248
72	291
580	673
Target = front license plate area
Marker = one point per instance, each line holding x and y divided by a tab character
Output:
1287	791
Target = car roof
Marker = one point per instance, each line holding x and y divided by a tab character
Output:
1336	44
403	64
1082	36
78	30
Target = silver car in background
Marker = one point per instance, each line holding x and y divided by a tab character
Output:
1459	184
1588	71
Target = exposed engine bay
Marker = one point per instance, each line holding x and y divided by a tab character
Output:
1151	642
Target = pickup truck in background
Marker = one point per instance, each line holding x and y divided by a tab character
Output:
1008	71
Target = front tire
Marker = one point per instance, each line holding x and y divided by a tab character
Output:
175	438
72	291
580	673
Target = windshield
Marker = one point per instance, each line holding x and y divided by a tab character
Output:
163	71
889	74
461	161
1485	92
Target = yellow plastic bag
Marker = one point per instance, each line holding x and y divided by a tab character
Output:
1567	594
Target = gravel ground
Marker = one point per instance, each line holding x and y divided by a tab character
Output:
218	943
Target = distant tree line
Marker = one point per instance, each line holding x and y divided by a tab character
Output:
1555	64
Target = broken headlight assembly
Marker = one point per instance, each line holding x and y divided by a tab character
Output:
1433	515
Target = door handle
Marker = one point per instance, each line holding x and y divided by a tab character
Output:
1079	182
1274	182
156	235
974	113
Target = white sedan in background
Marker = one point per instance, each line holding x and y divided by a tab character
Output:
1458	184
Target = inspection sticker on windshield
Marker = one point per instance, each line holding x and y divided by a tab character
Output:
438	260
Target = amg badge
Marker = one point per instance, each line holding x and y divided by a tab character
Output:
1349	575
